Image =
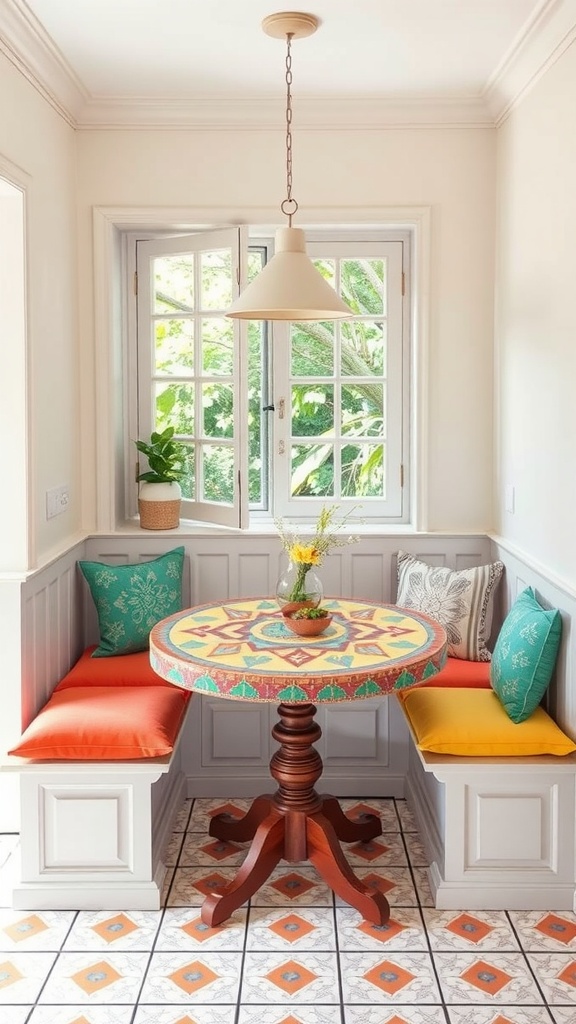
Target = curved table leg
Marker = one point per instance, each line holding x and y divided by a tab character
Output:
240	830
265	852
325	853
349	831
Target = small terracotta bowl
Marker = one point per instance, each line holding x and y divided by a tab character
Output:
308	627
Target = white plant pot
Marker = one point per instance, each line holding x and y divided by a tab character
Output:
159	506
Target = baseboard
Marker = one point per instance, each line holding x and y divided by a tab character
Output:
90	896
491	896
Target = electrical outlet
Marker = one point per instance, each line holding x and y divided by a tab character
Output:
57	500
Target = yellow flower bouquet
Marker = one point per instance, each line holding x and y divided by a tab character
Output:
305	556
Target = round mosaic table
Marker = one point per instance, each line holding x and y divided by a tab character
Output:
243	650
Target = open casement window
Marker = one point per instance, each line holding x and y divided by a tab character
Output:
341	389
192	366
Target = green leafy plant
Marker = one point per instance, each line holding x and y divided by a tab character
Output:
310	613
166	458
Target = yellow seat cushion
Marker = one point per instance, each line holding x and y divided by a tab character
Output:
473	723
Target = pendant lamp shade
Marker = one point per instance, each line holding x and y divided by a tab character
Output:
289	287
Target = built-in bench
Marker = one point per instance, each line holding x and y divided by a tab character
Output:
100	786
498	830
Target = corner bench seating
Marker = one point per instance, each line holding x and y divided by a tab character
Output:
498	830
100	786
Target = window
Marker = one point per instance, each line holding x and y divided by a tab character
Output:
279	417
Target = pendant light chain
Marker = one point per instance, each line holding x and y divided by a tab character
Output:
289	206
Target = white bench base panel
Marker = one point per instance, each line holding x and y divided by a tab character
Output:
93	836
499	833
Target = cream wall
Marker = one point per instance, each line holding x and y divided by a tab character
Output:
536	322
38	148
449	170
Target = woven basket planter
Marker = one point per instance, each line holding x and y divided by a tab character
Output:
159	506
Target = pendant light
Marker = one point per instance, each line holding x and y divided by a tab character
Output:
289	287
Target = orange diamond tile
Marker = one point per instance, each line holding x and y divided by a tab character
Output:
9	974
359	812
114	927
230	810
193	977
369	851
211	883
196	929
569	974
556	927
291	977
185	1020
220	849
486	977
80	1020
25	928
290	1020
292	885
501	1020
378	882
470	928
383	932
389	977
399	1020
292	927
96	977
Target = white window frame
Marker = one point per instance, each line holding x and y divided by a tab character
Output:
109	502
392	246
220	514
395	247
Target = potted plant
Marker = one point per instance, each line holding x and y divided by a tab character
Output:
307	620
160	496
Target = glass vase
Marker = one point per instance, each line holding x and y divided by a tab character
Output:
299	586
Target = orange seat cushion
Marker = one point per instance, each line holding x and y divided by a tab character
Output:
115	670
105	723
458	672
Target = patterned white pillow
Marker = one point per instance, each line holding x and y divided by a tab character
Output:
461	601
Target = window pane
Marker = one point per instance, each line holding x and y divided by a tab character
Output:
217	346
363	471
218	474
257	419
312	470
312	350
363	350
215	279
328	270
188	483
175	408
363	286
218	410
363	410
174	352
312	409
173	283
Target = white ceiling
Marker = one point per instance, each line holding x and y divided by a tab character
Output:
208	61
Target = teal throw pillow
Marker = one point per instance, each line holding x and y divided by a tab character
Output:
130	599
524	656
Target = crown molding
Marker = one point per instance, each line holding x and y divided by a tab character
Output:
311	114
27	45
542	40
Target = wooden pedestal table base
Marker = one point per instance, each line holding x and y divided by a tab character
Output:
295	824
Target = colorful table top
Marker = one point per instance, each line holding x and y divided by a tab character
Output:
243	650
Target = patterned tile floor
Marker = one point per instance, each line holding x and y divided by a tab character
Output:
295	955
